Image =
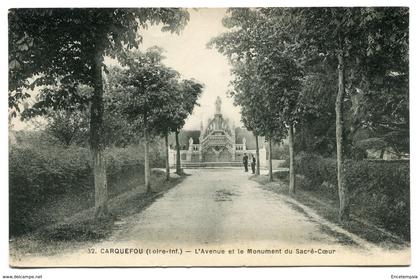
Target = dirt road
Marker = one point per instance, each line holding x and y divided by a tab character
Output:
221	209
216	207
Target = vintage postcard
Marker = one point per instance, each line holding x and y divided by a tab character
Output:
209	137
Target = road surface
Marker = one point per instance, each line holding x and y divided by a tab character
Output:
222	209
222	206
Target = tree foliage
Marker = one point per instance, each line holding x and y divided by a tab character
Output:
150	96
142	88
65	48
311	67
57	46
267	78
374	43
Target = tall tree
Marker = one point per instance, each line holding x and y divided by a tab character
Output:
66	47
190	92
68	127
172	117
259	42
350	35
143	88
270	160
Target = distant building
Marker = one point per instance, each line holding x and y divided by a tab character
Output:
218	143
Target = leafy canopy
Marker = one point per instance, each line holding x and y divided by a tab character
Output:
58	46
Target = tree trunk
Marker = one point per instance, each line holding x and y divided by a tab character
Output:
96	142
146	160
167	156
342	191
292	189
270	161
257	153
100	181
382	153
178	155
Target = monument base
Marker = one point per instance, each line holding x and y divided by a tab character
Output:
193	165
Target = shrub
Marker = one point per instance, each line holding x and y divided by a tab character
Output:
318	172
281	174
280	151
378	191
42	175
134	155
37	176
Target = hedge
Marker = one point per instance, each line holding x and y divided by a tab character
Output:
379	191
41	176
319	173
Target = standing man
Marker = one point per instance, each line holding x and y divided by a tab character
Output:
253	163
245	161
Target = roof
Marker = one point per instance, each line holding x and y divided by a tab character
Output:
241	133
183	137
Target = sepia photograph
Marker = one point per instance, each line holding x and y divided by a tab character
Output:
197	137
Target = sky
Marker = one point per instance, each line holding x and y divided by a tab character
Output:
187	53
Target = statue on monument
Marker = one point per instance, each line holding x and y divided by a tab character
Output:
218	105
190	142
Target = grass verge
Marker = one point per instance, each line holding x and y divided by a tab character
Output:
328	209
83	229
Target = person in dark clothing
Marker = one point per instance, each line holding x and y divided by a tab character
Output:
253	164
245	161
